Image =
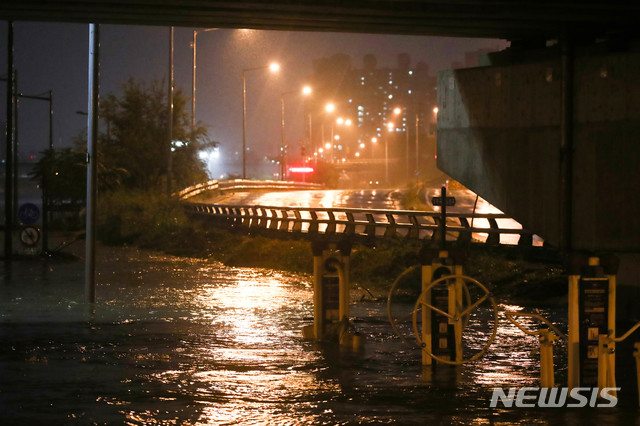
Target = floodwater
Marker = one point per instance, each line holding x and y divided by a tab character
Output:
186	341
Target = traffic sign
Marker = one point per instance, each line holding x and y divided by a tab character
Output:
28	213
449	201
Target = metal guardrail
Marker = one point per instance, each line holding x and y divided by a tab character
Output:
243	184
358	225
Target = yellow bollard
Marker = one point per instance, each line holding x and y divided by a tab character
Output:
603	362
546	339
636	354
573	342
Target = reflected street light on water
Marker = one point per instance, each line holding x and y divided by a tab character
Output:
273	67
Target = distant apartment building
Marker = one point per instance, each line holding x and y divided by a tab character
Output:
380	104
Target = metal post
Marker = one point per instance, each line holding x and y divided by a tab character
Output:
345	257
573	342
92	160
8	182
546	358
636	354
407	152
16	132
244	126
318	306
170	121
386	159
443	219
193	85
45	183
282	169
417	144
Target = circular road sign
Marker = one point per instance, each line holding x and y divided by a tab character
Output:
28	213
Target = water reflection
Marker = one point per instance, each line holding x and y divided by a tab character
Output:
182	341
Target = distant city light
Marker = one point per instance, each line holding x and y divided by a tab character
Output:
357	154
435	110
330	107
362	145
340	120
374	139
301	169
347	122
397	110
327	145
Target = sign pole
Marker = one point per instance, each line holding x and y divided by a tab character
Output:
443	218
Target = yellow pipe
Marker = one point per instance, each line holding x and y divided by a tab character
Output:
612	323
546	358
344	296
603	364
427	274
636	354
318	305
573	342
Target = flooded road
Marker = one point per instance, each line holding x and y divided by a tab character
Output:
385	199
186	341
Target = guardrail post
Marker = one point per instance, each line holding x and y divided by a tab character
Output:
313	225
331	225
493	238
464	237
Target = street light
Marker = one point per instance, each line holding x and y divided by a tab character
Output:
193	77
306	90
274	67
386	153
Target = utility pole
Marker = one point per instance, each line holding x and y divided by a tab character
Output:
170	122
92	161
8	182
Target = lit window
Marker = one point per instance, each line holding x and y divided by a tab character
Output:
409	91
410	72
390	96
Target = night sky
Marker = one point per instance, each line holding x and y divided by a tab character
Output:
54	56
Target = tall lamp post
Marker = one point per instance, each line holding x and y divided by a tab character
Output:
193	77
390	127
274	67
306	90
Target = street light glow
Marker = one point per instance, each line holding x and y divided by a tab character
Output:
397	110
340	120
327	145
274	67
435	110
306	90
330	107
336	137
374	139
390	126
347	122
362	145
